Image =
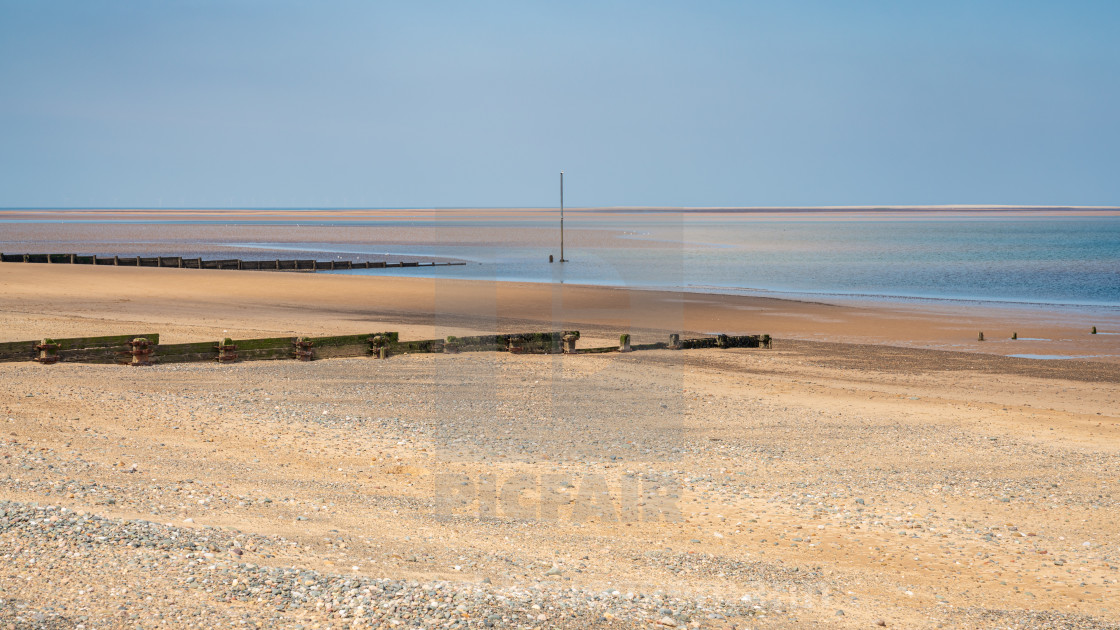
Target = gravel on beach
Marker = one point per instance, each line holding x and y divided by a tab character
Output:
711	489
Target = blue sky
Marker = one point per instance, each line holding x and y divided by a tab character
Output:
451	104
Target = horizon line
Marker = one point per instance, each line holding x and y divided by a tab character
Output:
866	207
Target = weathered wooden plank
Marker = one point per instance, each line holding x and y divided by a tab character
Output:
742	341
660	345
230	263
339	351
483	343
265	354
186	357
417	347
703	342
483	348
18	351
600	350
74	349
102	342
339	340
345	340
199	263
532	343
188	348
542	342
13	345
95	355
263	344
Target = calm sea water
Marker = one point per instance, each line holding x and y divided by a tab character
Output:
1054	260
1066	261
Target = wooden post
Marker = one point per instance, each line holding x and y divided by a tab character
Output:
570	338
981	336
674	341
48	351
624	342
72	257
722	341
304	349
227	352
378	344
116	261
451	346
141	350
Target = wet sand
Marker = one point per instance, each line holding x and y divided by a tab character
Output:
195	305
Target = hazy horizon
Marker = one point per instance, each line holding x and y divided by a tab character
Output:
862	208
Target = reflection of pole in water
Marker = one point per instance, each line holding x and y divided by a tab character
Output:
562	217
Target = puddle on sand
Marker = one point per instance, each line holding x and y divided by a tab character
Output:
1052	357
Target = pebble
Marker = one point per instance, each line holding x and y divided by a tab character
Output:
174	552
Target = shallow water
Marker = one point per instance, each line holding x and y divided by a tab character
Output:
1069	261
1050	357
1050	259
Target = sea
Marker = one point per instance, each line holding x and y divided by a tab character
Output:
1065	259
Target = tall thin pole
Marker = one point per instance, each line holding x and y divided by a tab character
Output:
562	217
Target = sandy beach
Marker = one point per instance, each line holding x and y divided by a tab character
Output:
879	467
541	316
197	305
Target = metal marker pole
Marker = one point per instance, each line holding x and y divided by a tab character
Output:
562	217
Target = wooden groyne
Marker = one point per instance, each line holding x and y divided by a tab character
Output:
180	262
110	349
139	350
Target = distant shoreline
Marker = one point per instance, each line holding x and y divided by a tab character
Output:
352	211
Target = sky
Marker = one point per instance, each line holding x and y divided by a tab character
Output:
481	104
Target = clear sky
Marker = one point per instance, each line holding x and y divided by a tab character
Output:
452	104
